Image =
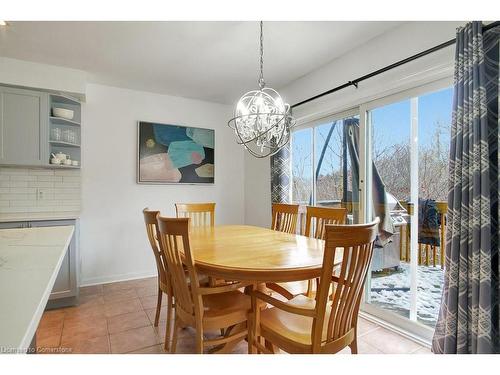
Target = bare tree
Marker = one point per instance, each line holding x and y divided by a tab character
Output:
391	160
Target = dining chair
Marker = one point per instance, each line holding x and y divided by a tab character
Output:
201	214
164	285
316	220
221	308
284	217
327	323
318	217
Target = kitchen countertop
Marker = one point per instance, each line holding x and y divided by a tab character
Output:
30	259
38	216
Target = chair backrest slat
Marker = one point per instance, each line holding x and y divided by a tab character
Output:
284	217
355	243
318	217
201	214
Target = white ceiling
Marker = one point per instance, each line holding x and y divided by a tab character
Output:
214	61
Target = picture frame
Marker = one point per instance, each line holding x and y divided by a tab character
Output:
175	154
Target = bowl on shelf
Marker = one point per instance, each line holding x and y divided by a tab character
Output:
67	114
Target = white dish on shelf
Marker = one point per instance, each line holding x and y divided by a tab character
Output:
74	163
67	114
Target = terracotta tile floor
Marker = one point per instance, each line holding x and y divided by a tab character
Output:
118	317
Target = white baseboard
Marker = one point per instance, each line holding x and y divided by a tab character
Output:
117	278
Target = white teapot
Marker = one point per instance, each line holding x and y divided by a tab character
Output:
58	158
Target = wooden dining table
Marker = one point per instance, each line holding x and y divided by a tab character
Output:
255	254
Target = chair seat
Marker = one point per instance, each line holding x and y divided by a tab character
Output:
295	287
288	327
231	307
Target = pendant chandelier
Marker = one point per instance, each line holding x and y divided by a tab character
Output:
262	120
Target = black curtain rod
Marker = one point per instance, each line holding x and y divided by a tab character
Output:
356	81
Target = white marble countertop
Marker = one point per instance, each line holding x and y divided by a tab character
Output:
30	259
38	216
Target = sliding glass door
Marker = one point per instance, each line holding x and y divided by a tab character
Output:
322	154
406	143
390	281
387	159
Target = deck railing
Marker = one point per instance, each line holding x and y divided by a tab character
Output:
427	254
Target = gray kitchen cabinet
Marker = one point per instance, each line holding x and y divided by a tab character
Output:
23	127
66	287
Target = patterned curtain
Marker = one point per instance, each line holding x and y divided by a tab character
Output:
281	174
468	319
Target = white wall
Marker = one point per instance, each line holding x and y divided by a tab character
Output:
43	76
399	43
113	240
257	192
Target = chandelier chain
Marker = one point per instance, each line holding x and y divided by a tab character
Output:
262	84
262	120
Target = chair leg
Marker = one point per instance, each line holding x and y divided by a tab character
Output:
250	335
174	339
158	307
309	288
271	347
169	323
199	342
354	346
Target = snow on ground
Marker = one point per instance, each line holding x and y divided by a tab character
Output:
392	291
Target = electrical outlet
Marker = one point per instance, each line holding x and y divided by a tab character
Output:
39	194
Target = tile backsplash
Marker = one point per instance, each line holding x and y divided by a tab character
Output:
39	190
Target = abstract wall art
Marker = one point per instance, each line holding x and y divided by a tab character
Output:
175	154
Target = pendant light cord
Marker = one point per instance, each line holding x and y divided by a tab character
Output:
262	84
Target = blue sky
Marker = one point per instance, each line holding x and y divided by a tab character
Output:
393	121
392	124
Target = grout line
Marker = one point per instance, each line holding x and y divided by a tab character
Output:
370	331
397	330
120	280
371	346
150	346
421	346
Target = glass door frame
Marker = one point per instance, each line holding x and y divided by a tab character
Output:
410	326
312	123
